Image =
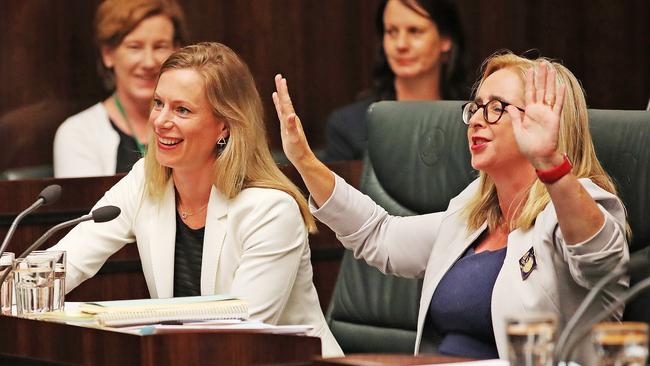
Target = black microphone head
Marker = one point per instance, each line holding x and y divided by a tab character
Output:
106	213
50	194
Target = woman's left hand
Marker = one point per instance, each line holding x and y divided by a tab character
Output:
537	133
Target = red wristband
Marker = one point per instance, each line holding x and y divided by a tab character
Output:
552	175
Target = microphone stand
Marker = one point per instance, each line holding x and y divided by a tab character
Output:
101	214
633	292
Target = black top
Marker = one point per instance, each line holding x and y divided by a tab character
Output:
127	151
461	306
188	254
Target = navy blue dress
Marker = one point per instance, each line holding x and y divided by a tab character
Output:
460	308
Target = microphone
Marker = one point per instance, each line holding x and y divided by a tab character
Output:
102	214
638	265
48	195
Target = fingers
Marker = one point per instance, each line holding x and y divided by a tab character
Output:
559	101
540	82
541	85
529	88
551	85
284	100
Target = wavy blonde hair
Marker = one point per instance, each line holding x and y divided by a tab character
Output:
574	140
246	160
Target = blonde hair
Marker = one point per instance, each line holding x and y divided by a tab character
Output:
115	19
246	160
574	140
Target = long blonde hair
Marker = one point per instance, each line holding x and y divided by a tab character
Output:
574	140
246	160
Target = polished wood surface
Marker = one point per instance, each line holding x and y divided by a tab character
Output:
325	48
73	345
121	277
374	359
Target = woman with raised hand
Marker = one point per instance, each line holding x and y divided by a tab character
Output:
209	209
541	197
134	37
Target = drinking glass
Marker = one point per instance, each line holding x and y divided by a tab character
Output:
531	339
7	287
621	344
58	296
33	280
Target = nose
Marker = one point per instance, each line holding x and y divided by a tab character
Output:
161	119
402	41
149	58
477	119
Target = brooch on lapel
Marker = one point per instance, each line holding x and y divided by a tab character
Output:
527	263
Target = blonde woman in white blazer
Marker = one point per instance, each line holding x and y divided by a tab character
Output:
542	203
208	181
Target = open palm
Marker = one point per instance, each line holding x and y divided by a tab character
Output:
538	131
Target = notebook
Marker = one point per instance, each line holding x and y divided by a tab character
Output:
179	309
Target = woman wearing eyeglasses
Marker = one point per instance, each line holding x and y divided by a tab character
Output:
533	233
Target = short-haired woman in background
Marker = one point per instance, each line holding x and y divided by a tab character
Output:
134	37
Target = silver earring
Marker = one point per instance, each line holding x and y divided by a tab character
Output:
221	143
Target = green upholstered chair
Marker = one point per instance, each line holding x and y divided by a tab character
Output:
622	141
417	160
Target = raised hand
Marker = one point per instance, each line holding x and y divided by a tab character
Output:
538	132
294	141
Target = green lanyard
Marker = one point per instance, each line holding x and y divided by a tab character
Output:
141	147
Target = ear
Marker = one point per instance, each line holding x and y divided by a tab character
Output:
226	131
107	56
446	43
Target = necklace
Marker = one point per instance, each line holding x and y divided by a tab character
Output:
186	214
141	147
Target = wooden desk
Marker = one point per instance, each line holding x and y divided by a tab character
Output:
32	342
376	359
121	277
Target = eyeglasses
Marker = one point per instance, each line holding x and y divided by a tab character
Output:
492	110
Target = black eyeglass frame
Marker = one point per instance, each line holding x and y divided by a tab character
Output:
485	110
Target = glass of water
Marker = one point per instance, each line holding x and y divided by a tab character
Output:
531	339
7	286
621	344
59	257
33	280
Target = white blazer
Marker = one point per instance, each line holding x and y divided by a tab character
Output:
428	245
85	145
255	248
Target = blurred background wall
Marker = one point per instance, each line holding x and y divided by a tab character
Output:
324	48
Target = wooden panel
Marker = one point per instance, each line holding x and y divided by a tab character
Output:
72	345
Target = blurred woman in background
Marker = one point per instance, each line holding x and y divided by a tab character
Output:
134	37
420	58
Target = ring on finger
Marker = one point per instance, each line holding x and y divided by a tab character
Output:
549	101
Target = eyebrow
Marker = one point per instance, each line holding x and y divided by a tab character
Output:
490	97
176	101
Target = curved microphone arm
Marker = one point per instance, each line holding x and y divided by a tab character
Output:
39	202
588	300
585	329
37	244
